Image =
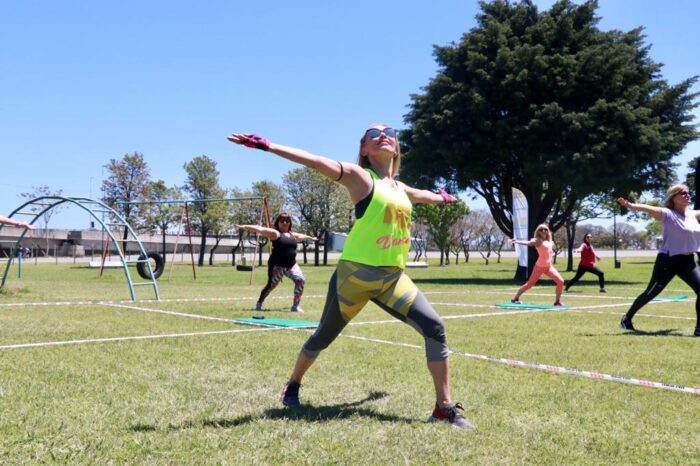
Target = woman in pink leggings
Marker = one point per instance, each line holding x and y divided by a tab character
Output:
543	243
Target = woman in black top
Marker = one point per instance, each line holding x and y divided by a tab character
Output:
282	261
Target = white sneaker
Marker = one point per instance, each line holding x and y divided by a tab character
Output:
258	306
296	308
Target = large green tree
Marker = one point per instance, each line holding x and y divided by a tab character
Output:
548	103
202	184
439	222
125	187
321	205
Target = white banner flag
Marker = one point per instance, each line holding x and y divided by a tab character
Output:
520	225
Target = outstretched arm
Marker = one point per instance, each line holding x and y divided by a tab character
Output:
269	233
524	243
357	181
303	237
423	196
655	212
16	223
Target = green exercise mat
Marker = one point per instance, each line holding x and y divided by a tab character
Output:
274	322
679	297
528	306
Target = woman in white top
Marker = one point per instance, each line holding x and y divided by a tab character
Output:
681	239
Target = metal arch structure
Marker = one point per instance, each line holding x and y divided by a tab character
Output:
37	207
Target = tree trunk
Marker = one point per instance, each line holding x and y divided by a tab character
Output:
202	248
570	237
124	243
213	250
163	248
326	242
233	250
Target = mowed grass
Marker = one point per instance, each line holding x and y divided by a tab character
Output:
176	382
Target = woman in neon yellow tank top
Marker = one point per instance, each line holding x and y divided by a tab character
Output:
374	256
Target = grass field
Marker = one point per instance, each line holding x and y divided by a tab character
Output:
176	382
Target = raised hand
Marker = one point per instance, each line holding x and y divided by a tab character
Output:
446	197
250	140
623	202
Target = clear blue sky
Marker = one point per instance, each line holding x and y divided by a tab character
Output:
83	82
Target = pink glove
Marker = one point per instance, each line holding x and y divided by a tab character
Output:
446	197
256	142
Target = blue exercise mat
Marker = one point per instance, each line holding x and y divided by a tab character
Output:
274	322
528	306
679	297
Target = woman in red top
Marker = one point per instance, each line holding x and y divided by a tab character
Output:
587	264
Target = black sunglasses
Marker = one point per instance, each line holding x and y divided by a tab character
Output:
376	132
285	220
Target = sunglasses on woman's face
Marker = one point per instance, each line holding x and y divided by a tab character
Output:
376	132
684	193
285	220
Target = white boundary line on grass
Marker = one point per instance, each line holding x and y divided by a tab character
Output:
513	362
144	301
173	313
548	368
139	337
584	311
213	332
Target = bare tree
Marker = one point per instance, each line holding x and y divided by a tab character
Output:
488	235
41	191
419	240
159	214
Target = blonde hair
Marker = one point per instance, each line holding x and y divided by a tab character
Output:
363	160
672	192
545	228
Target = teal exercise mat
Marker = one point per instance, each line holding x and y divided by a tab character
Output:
273	322
679	297
528	306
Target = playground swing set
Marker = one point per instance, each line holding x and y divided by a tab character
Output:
32	210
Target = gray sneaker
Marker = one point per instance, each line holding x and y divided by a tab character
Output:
258	306
451	415
296	308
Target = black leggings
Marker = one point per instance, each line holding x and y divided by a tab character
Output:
583	269
665	268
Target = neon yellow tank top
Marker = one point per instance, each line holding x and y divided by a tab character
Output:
382	236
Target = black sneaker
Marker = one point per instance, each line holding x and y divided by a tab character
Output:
626	323
290	395
451	415
603	290
697	332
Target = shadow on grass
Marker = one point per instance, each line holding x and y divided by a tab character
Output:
669	332
305	412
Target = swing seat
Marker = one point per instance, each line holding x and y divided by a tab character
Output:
244	268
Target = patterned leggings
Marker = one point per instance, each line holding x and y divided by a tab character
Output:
274	277
353	285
